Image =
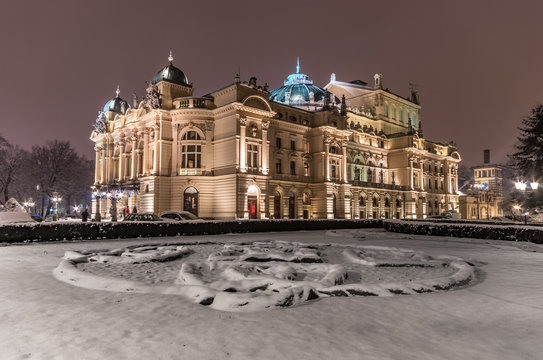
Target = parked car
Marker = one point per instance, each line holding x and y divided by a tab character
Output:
142	217
179	216
37	218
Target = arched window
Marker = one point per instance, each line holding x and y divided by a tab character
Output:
375	201
385	110
362	200
191	135
370	175
398	203
306	199
387	202
393	112
400	115
357	173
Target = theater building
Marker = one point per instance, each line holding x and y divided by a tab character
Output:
347	150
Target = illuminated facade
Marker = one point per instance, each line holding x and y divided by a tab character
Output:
348	150
484	198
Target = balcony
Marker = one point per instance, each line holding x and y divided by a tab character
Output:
190	171
194	102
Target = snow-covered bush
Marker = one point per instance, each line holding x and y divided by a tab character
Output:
478	231
81	231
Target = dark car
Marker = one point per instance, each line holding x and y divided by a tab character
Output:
179	216
37	218
142	217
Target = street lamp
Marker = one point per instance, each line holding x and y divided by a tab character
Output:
534	185
55	199
29	204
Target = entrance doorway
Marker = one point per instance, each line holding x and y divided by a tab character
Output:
276	205
252	202
291	206
190	200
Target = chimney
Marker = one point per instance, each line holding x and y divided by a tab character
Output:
486	156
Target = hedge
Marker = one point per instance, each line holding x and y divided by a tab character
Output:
495	232
91	231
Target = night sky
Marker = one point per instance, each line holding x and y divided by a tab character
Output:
477	64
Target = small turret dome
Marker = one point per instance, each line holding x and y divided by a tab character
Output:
171	74
116	104
298	90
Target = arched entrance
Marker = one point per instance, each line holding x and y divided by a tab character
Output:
252	202
190	200
276	205
291	206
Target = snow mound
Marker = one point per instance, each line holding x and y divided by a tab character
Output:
13	212
267	275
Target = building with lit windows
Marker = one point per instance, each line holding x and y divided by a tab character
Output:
347	150
484	197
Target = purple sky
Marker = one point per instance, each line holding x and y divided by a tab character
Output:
477	63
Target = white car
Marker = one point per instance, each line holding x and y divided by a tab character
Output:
178	216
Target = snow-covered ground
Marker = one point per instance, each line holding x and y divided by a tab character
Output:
498	316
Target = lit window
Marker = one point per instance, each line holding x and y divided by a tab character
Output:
191	156
306	169
252	156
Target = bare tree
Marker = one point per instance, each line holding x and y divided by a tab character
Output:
11	162
57	167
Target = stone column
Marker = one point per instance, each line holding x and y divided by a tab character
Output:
156	164
422	176
411	182
242	150
175	130
265	147
121	160
146	151
133	173
103	165
344	162
327	159
97	165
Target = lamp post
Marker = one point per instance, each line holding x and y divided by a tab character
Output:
29	204
97	195
523	188
55	199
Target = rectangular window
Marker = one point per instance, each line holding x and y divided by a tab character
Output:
306	147
278	143
333	171
306	169
252	156
292	145
435	184
293	168
278	166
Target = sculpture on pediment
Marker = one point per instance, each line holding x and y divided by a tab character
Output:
152	97
100	126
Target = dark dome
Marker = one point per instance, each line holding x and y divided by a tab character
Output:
297	90
171	74
116	105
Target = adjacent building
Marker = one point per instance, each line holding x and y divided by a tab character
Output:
484	197
347	150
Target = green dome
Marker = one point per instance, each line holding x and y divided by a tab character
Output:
171	74
297	90
116	105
